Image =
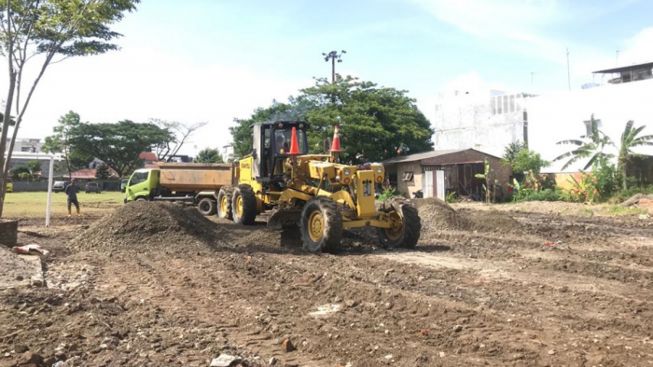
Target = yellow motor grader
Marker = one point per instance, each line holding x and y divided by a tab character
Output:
313	190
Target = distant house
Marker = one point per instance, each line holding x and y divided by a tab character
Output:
84	174
149	159
440	172
89	174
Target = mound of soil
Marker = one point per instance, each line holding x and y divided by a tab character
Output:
437	215
491	221
149	224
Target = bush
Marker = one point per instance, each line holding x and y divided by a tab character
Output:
538	195
624	195
387	193
451	197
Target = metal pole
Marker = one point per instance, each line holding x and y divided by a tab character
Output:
333	70
48	203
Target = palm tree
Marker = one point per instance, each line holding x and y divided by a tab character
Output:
590	146
630	140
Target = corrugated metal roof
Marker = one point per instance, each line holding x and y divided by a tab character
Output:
621	69
420	156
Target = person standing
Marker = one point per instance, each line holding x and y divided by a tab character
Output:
71	191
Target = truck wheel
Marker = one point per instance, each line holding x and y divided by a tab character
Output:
243	203
407	227
224	203
206	206
320	225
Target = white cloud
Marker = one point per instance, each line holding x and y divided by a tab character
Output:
501	22
139	84
638	49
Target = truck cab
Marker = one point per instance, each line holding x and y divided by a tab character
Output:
142	184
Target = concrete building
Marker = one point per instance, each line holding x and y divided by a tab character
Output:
479	119
27	145
490	120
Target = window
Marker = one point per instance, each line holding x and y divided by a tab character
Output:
407	176
282	141
137	178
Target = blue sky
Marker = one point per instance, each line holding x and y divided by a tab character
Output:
215	60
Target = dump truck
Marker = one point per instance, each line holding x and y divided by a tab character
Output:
195	183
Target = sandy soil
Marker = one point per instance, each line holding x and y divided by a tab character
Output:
509	287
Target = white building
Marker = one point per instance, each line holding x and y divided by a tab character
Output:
26	145
490	120
484	120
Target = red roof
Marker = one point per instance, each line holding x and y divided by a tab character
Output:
84	174
148	156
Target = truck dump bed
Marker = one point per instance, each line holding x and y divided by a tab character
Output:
195	176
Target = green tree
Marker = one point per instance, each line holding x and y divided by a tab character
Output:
630	139
116	144
241	134
511	151
102	172
59	141
42	32
34	167
527	160
376	123
591	147
209	155
21	172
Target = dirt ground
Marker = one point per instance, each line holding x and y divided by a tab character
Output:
497	285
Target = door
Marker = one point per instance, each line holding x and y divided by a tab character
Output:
439	185
427	184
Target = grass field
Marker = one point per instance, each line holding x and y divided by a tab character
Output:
32	204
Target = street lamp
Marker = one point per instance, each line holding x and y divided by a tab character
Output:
333	56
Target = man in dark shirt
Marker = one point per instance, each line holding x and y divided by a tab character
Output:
71	191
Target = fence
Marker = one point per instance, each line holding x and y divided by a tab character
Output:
29	186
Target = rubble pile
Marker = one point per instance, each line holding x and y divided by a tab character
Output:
149	224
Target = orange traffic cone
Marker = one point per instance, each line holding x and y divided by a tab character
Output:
335	145
294	145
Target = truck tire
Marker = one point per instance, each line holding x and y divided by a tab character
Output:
224	203
243	204
320	225
406	235
206	206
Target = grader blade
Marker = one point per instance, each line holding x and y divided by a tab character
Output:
280	218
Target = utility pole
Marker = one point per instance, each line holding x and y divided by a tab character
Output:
568	73
616	58
334	56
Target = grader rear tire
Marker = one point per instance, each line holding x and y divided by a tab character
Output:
243	203
206	206
224	203
406	235
320	225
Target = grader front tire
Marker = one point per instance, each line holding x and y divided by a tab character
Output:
320	225
243	203
407	234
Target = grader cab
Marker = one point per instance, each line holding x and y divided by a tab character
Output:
315	191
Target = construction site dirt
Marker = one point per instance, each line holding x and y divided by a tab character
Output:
155	284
